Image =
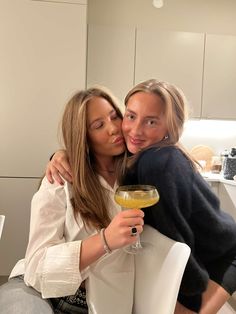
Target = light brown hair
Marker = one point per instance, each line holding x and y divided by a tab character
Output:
175	111
89	198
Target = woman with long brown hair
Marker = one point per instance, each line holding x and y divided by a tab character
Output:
76	227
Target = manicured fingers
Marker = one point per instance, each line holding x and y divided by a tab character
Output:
59	171
49	175
129	213
52	175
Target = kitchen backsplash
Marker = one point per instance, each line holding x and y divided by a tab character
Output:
217	134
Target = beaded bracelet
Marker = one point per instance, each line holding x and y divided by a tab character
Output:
104	241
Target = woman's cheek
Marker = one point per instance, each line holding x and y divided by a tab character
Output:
124	127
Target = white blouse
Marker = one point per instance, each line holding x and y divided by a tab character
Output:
51	264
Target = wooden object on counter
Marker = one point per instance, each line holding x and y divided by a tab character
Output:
202	152
216	164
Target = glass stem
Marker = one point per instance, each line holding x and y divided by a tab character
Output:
138	244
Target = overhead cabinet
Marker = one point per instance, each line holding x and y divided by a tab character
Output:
111	58
66	1
176	57
202	65
219	83
120	57
206	72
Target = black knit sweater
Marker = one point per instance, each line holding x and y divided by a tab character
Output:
189	212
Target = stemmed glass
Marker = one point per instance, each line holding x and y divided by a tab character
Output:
136	196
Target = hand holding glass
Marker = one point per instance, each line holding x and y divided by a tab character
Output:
136	196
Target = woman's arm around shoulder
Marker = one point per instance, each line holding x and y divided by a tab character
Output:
58	168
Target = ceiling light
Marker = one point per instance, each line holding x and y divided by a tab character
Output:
158	3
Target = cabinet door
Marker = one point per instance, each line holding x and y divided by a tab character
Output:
42	62
111	58
176	57
219	84
15	199
66	1
227	196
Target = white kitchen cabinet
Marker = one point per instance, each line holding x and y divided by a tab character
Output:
227	196
176	57
15	199
219	82
42	62
65	1
202	65
225	190
111	58
215	187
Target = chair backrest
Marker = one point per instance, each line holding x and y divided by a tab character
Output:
2	219
159	270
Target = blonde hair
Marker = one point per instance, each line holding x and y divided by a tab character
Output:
89	198
175	110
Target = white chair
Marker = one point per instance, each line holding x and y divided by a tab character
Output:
158	274
2	219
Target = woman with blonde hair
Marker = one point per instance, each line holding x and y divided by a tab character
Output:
188	211
77	231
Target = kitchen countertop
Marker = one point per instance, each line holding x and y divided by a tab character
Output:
215	177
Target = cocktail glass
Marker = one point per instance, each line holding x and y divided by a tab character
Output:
136	196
